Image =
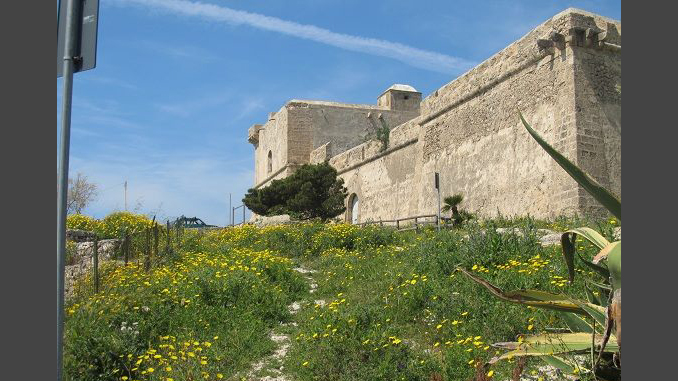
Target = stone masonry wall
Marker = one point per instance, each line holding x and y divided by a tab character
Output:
598	107
301	127
470	132
565	78
348	127
272	137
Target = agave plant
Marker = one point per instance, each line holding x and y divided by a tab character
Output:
602	309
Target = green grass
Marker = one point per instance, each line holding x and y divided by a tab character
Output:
395	308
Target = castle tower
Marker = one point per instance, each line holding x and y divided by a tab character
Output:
400	98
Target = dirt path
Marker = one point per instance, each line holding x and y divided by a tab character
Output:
271	367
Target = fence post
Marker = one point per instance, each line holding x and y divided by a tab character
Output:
397	224
147	249
156	241
168	237
125	245
95	258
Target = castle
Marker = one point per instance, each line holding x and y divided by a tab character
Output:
564	76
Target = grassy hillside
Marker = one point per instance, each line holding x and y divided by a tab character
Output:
388	305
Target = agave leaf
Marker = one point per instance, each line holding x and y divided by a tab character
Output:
507	345
570	339
603	292
598	313
602	195
602	255
575	323
534	298
556	344
592	298
605	273
614	264
602	286
568	242
560	363
591	235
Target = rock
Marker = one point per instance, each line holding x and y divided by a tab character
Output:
261	221
294	307
550	239
106	249
516	231
617	233
304	271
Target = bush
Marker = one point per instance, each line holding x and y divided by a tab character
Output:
115	224
81	222
312	191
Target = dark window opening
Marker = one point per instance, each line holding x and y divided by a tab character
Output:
270	161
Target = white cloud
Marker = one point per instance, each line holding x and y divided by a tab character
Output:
412	56
249	106
180	52
109	81
192	106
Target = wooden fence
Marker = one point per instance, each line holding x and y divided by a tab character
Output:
418	222
149	247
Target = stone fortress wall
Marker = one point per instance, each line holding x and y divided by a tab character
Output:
564	76
300	127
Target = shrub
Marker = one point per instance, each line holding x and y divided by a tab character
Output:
312	191
115	224
81	222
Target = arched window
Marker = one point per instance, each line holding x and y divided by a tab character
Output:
352	214
270	162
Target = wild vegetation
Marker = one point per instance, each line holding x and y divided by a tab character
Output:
111	226
394	308
602	307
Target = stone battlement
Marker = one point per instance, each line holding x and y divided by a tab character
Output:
564	76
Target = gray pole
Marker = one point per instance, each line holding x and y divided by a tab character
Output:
437	184
438	222
62	192
243	214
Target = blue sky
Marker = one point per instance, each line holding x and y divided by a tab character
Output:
179	82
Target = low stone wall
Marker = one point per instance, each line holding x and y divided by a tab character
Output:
261	221
83	260
106	249
79	235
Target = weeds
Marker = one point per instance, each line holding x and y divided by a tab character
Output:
393	308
